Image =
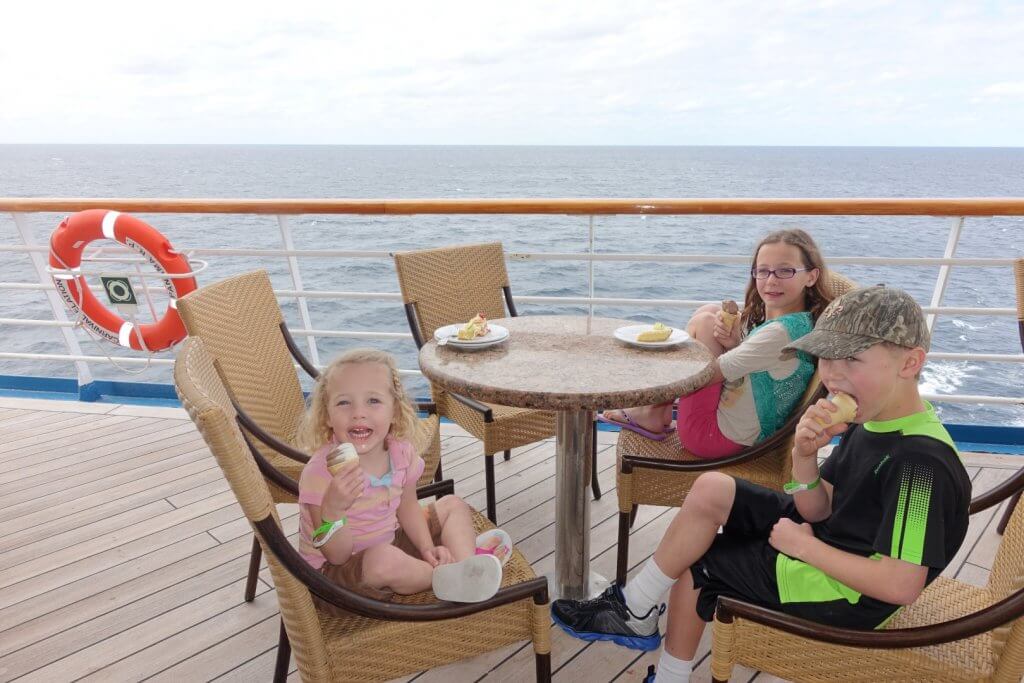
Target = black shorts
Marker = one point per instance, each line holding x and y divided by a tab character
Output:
741	564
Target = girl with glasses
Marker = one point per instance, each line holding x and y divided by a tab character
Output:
754	386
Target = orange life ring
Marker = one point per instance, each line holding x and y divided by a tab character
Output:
66	245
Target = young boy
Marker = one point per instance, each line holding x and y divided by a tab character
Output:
849	544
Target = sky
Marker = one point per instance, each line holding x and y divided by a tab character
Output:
574	72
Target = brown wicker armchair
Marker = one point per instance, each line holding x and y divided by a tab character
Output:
378	640
661	472
952	632
241	324
1018	276
451	285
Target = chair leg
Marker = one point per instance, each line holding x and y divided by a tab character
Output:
492	507
595	485
254	570
284	654
508	455
632	516
438	475
622	556
1009	513
543	667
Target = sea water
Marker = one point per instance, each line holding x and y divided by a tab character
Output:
550	172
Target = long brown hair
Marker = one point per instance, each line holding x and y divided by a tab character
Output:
816	297
315	429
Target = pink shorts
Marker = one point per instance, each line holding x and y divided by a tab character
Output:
697	423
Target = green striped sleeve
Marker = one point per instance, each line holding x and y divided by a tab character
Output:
911	520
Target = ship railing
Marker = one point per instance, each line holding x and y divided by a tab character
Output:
956	210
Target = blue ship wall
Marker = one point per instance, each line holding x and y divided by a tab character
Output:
976	438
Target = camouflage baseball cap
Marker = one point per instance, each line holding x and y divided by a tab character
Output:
862	318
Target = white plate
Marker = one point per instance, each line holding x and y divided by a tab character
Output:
495	335
628	335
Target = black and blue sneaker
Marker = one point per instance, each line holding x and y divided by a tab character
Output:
606	617
649	678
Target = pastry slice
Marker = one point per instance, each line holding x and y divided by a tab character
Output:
340	456
476	327
730	311
657	333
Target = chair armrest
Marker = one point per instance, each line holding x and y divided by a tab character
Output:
436	488
428	407
998	494
267	438
475	405
746	455
293	349
344	598
1005	610
269	471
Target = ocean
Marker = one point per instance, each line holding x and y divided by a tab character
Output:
605	172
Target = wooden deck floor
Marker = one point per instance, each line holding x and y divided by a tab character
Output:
123	553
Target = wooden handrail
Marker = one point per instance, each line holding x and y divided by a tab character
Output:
865	206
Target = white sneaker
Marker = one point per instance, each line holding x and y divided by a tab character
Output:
473	580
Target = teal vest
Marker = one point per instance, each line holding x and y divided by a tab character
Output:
776	398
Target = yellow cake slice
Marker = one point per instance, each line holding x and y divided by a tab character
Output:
656	334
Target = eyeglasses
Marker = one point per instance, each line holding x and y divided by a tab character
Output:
780	273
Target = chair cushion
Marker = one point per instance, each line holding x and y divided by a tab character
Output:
362	648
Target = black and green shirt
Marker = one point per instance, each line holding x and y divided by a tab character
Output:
899	489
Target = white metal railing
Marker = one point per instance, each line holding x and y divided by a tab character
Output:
291	255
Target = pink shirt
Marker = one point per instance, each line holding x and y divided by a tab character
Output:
373	517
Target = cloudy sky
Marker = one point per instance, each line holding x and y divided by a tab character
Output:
676	72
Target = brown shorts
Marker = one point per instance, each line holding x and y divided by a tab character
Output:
350	574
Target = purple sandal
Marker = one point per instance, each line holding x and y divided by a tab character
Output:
634	427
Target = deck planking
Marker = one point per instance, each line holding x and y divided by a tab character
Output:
128	562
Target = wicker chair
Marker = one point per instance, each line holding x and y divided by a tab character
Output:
449	285
379	640
953	632
1018	275
661	472
241	324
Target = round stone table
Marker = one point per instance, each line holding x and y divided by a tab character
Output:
572	366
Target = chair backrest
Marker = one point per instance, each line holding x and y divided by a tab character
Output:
838	284
1007	577
1018	275
1007	574
206	399
239	321
452	284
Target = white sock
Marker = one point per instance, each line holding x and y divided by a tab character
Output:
672	670
647	588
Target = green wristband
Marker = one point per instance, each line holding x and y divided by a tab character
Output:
796	487
326	529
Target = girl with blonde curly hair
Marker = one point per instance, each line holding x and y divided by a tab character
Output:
361	524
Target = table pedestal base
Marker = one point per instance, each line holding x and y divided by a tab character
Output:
573	443
596	584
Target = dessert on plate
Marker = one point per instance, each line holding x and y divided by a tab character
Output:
657	333
477	327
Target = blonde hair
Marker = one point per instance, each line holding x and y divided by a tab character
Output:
816	297
315	428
